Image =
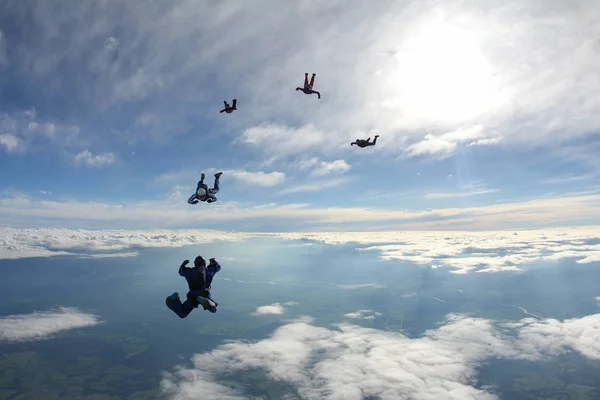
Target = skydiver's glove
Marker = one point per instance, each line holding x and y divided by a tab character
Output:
186	262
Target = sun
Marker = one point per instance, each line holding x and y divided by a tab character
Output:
441	75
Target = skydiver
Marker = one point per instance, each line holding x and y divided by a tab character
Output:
308	86
199	279
229	108
203	193
364	143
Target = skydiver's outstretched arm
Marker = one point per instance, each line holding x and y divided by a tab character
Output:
183	268
193	199
298	88
318	94
353	143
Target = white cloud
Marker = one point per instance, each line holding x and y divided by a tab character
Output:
146	119
57	133
328	168
314	186
444	145
451	195
465	252
259	178
359	286
275	308
363	314
45	242
548	211
43	325
280	141
567	179
355	362
11	142
87	158
551	336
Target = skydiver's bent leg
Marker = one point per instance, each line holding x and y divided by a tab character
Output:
215	189
234	105
174	304
374	140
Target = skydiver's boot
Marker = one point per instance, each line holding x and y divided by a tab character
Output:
218	175
203	302
172	298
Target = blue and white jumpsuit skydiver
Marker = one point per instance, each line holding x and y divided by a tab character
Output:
203	193
199	279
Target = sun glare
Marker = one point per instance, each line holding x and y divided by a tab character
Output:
442	75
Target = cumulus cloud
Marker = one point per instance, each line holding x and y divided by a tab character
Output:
465	252
353	362
444	145
85	157
551	336
275	308
43	325
328	168
259	178
11	143
363	314
46	242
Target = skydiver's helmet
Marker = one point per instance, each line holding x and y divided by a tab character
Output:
199	262
201	192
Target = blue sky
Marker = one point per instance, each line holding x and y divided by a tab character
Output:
488	116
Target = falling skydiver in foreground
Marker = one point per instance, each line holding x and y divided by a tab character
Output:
308	87
203	193
199	279
229	108
365	143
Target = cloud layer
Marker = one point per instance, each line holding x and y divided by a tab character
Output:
352	362
465	252
43	325
23	243
174	212
462	252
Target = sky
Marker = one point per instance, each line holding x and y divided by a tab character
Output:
488	114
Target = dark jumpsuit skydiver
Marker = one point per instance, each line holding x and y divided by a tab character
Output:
365	143
229	109
308	86
199	279
203	193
